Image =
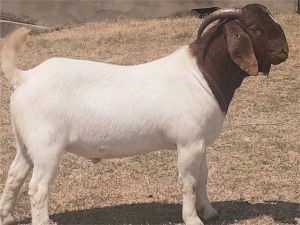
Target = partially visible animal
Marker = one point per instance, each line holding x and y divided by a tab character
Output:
99	110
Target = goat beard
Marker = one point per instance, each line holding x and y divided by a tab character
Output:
264	67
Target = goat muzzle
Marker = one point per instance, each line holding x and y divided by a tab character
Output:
278	57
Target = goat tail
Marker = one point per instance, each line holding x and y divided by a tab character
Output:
13	43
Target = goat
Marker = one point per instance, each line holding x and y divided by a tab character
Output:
99	110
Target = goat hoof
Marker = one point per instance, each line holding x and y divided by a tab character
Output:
210	213
45	223
207	213
48	222
194	221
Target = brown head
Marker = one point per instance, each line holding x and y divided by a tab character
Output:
246	41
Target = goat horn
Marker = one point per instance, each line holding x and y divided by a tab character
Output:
231	13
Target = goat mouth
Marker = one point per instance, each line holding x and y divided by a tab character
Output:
276	58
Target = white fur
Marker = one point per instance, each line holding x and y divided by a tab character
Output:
99	111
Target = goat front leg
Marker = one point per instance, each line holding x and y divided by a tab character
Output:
189	160
202	202
17	174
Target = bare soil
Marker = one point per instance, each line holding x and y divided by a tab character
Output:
253	166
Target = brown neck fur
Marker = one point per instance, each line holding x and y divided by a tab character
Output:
221	73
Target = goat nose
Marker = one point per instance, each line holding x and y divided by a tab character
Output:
285	49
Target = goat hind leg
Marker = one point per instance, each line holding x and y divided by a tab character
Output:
44	171
17	174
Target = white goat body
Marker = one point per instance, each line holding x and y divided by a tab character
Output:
99	110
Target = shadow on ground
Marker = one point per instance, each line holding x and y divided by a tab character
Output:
160	213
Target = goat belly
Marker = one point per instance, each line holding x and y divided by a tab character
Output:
120	148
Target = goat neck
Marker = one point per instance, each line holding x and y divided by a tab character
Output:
214	61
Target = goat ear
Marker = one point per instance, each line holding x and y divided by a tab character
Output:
240	48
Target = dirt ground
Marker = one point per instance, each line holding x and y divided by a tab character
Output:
253	166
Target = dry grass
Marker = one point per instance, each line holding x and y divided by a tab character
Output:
253	166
